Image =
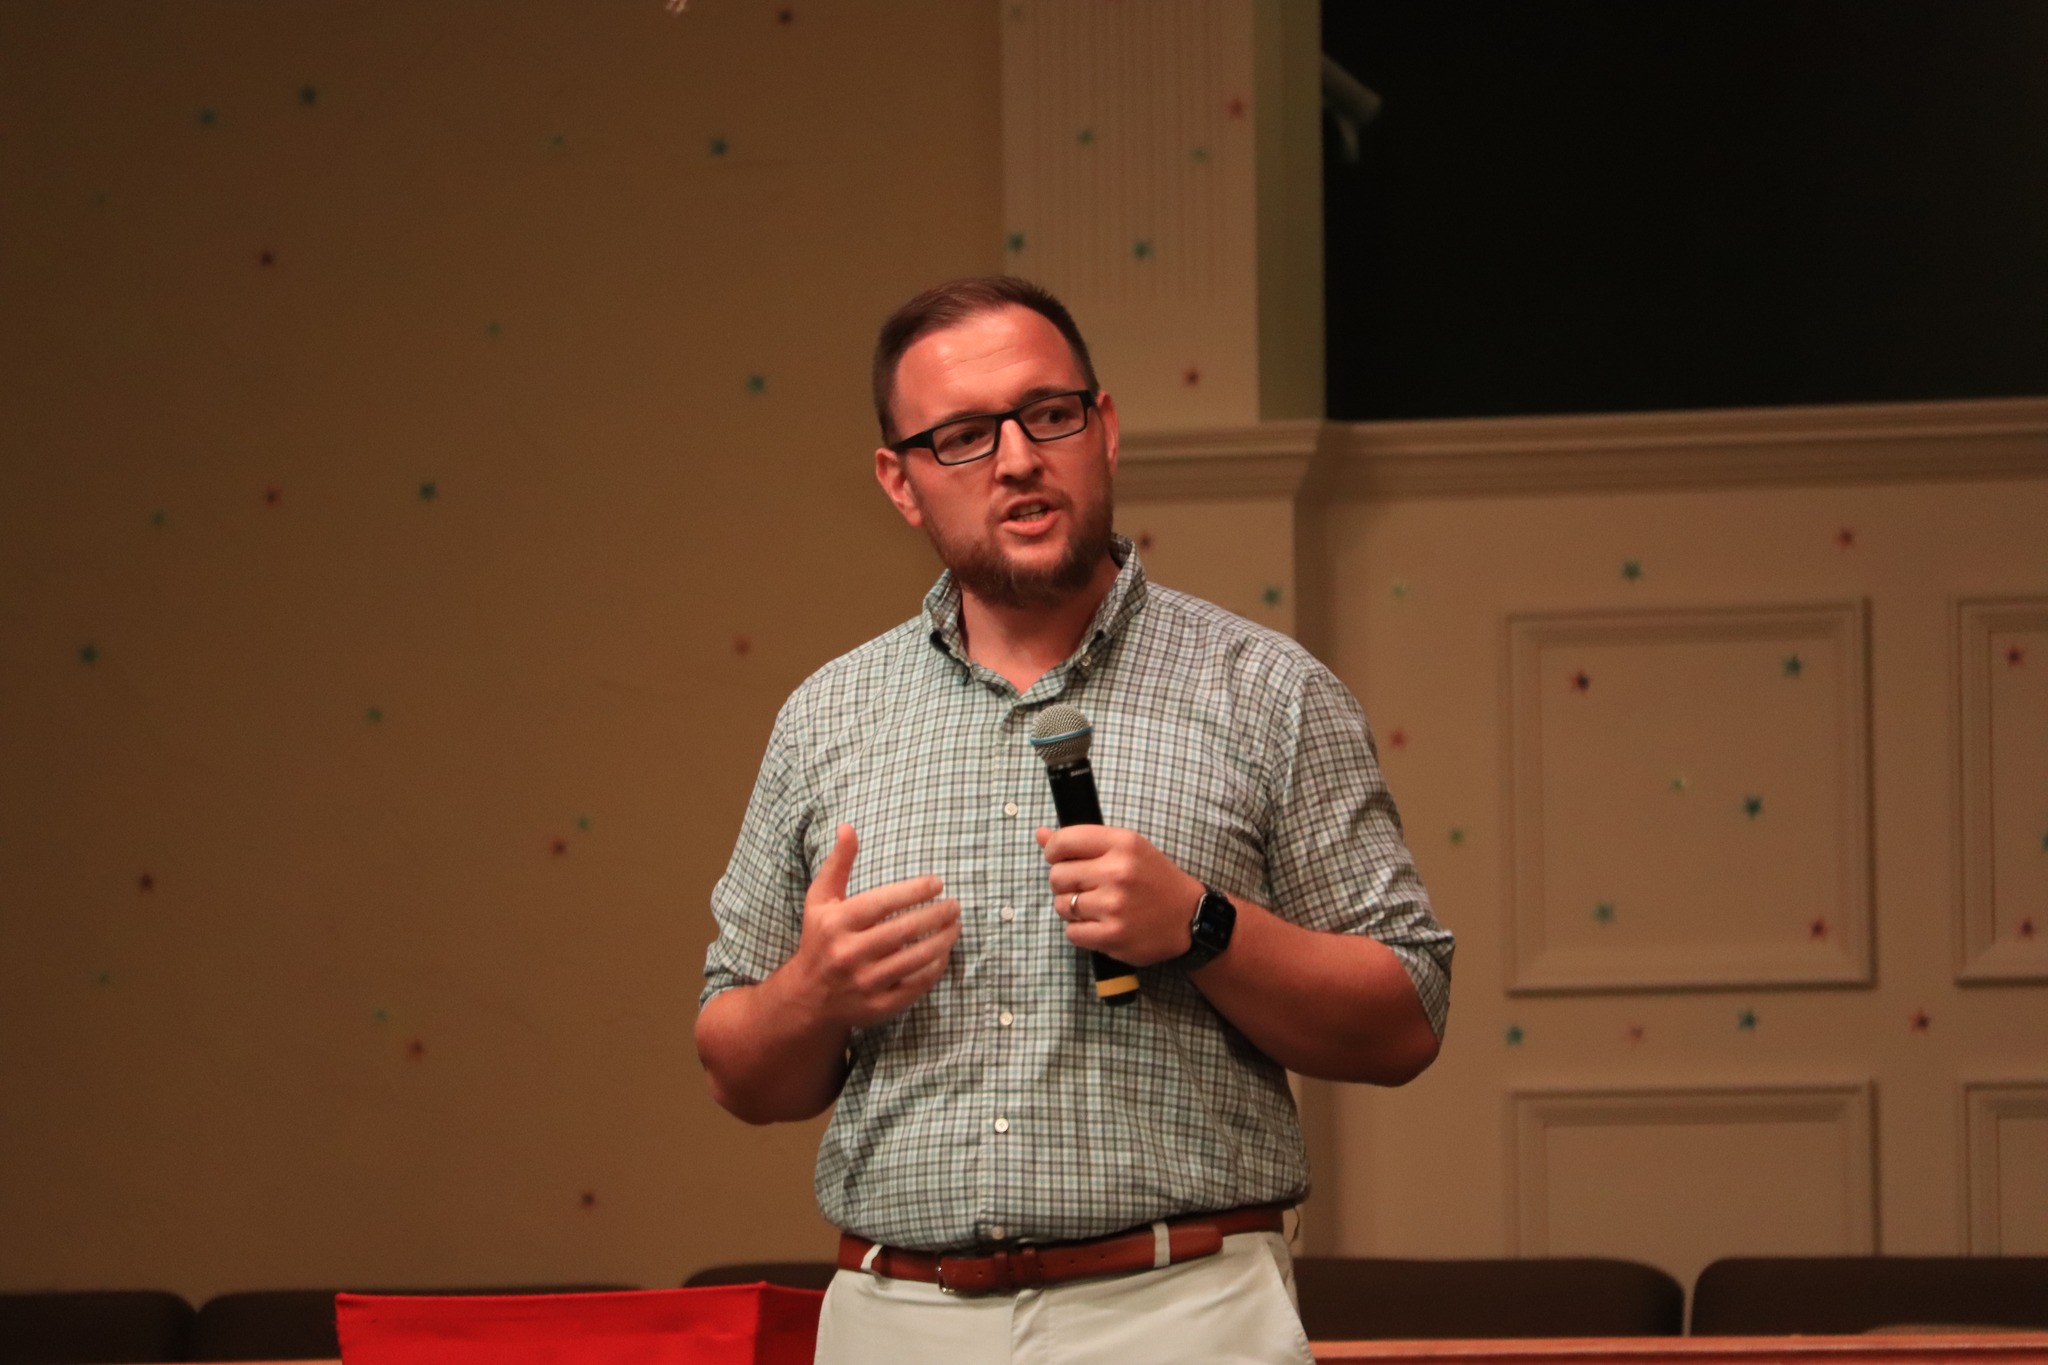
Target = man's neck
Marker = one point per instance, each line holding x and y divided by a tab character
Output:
1021	643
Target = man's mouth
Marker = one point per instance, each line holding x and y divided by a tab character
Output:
1028	513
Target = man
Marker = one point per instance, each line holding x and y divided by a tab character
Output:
1024	1172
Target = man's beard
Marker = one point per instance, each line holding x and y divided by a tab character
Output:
981	568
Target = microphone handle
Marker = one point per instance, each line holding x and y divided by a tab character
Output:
1073	796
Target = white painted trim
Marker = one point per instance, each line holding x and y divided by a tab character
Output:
1534	967
1980	954
1984	1104
1534	1114
1969	439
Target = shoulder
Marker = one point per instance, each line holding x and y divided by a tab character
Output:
855	689
1243	655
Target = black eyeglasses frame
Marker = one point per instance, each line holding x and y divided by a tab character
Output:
923	439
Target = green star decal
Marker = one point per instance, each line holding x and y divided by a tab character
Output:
158	519
382	1016
1200	156
719	146
1086	137
208	117
1752	806
1271	596
495	329
1401	590
583	823
375	714
1746	1021
1678	783
1457	835
1793	666
2044	843
1014	242
1604	912
90	654
429	491
1514	1035
757	383
1142	248
106	978
1632	570
308	95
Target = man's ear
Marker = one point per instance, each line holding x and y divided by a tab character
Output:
1105	408
895	481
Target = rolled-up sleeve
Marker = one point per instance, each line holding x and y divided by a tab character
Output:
1335	855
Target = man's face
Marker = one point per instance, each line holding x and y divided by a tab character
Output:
1029	525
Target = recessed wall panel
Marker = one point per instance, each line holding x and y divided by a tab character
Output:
1689	798
2006	1139
2002	707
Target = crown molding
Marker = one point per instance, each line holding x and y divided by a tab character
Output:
2003	438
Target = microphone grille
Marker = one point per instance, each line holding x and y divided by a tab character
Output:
1061	735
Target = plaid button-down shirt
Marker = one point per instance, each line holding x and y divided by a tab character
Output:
1009	1103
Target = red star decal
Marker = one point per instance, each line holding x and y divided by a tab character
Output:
1846	538
560	846
2015	656
1635	1033
146	882
1581	681
1398	739
266	258
1145	540
1820	929
741	645
782	16
1922	1021
589	1199
272	496
1191	376
1237	106
416	1050
2026	928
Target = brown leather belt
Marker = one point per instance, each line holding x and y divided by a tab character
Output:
1034	1264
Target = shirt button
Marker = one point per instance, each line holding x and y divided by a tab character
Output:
998	1232
1007	913
1006	1018
1010	809
1002	1125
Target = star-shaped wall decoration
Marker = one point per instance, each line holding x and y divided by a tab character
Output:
2026	928
719	146
1636	1033
1014	242
1752	806
374	714
429	490
146	882
741	645
208	117
1818	929
1679	783
1582	681
1603	913
416	1050
1200	156
1398	738
2015	656
757	383
583	823
1793	666
308	95
1514	1035
159	519
1457	835
273	496
1144	541
89	654
1632	569
106	978
1237	106
1191	376
1922	1021
1142	248
1746	1021
495	329
558	846
1400	590
380	1015
1086	137
1846	538
1271	596
266	258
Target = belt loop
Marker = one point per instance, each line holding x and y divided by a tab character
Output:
1162	1246
867	1262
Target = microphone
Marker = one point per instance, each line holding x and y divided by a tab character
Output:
1061	735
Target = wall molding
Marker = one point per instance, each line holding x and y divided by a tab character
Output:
1534	1114
1535	965
1963	440
1981	954
1985	1103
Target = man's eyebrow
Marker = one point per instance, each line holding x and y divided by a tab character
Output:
1029	396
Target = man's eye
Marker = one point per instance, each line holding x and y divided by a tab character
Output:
963	437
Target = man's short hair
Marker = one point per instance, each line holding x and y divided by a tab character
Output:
955	301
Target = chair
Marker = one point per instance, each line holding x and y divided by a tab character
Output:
1783	1295
75	1327
1357	1298
298	1324
788	1274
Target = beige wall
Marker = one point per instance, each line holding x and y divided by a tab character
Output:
551	638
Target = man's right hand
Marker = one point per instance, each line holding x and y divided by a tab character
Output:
865	959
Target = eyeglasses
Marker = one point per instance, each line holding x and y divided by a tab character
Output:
967	439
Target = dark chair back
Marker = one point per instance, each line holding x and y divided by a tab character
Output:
788	1274
1359	1298
77	1327
298	1324
1782	1295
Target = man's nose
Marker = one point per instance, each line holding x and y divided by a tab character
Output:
1016	453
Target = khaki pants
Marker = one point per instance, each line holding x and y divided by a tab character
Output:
1234	1308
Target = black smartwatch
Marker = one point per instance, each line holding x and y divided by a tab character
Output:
1209	931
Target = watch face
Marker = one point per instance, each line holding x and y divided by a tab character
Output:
1211	928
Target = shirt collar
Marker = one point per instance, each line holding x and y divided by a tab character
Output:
1125	598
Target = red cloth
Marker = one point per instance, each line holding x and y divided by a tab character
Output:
748	1324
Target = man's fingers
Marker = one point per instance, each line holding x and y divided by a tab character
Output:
830	883
877	903
1079	841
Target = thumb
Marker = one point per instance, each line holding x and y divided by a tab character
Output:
830	883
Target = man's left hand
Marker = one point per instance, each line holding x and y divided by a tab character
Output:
1133	903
